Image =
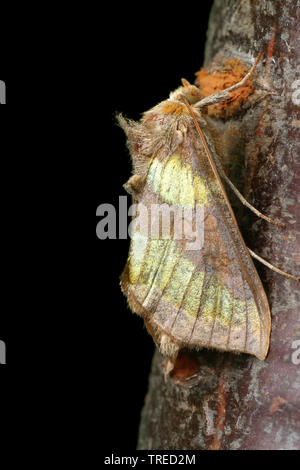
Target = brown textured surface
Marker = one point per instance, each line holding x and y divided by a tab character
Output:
232	72
241	402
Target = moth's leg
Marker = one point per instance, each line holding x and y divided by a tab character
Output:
246	203
169	366
225	94
269	265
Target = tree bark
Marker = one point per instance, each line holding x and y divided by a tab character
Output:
241	402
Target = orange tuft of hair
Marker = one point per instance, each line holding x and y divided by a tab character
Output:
174	108
232	72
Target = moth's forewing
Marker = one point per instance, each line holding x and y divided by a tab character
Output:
209	297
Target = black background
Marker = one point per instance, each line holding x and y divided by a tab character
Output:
4	327
145	63
127	66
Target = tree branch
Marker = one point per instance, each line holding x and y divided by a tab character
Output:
241	402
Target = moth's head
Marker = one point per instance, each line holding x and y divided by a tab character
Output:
189	91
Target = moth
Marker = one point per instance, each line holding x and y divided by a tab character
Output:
211	297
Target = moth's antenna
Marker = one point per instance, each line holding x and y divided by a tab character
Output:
271	266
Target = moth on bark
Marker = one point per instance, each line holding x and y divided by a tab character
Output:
210	297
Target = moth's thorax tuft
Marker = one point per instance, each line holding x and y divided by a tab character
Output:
166	113
174	107
168	107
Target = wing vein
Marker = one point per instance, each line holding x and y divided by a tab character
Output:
167	245
232	312
247	314
215	315
198	311
183	297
